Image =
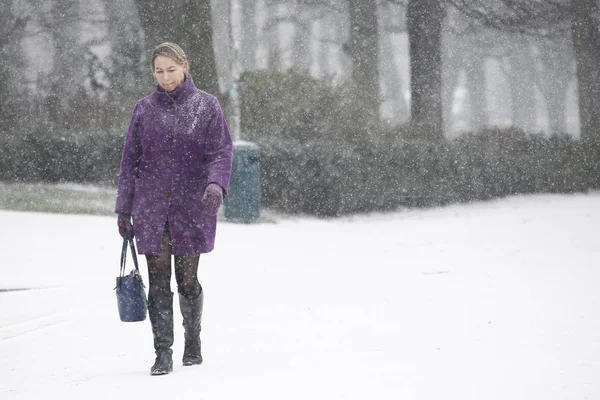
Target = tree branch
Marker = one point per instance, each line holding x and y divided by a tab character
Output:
19	24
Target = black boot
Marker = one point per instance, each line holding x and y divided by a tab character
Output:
160	309
191	303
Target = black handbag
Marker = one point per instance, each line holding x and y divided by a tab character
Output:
131	293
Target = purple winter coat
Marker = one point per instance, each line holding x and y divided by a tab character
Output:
177	143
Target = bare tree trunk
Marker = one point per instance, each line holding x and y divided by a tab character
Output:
558	72
221	17
329	54
321	47
195	35
453	64
271	34
130	76
156	18
424	20
362	49
187	23
556	107
586	42
521	78
451	74
11	26
12	29
302	31
66	78
249	35
475	80
391	82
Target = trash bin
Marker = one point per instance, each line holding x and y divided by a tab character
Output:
243	199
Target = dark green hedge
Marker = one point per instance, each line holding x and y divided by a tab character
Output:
337	177
38	157
331	178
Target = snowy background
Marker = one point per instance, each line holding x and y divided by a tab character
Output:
495	300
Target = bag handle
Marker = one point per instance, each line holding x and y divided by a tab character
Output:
128	238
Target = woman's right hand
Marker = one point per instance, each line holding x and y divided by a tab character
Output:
124	224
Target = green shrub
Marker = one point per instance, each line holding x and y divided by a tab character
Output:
291	105
39	157
331	178
496	163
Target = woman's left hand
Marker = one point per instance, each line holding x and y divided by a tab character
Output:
212	199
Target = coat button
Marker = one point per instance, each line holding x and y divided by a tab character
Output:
169	163
167	194
170	136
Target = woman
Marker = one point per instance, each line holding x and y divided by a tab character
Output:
175	171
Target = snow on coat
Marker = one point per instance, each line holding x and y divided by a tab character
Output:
177	143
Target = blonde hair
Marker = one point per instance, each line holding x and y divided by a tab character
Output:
171	50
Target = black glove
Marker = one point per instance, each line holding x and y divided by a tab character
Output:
124	224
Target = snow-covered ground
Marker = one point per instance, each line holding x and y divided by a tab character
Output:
496	300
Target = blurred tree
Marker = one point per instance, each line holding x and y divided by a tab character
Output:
476	84
249	45
580	17
270	34
543	63
557	72
11	25
362	48
466	44
62	21
391	23
424	20
302	18
196	37
189	24
221	16
328	30
520	68
12	30
129	74
586	42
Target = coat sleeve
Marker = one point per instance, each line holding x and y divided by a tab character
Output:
130	160
219	149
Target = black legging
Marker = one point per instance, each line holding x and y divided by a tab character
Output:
186	271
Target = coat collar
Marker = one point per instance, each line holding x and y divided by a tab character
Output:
178	95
